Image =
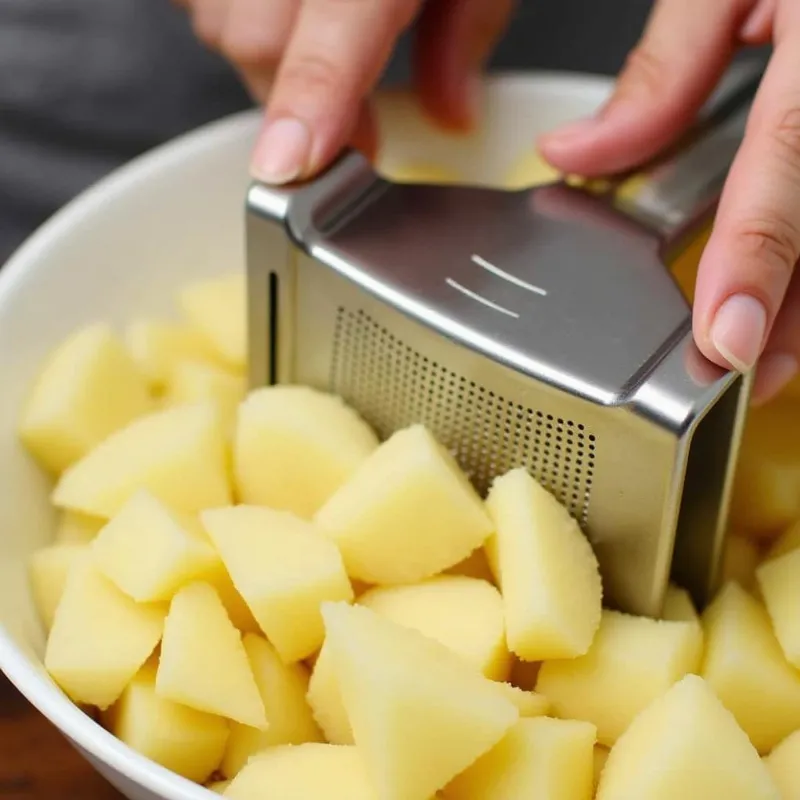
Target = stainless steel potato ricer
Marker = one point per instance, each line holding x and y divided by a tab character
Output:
536	328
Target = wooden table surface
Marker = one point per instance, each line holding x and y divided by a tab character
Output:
36	763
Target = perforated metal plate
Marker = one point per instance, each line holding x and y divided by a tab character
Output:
393	386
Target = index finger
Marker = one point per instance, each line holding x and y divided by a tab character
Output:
335	55
748	262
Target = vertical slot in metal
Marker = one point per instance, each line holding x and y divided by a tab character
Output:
273	309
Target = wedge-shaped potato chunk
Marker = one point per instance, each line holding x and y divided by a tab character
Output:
238	611
745	666
549	759
407	513
49	570
178	455
158	347
295	447
284	569
632	661
783	764
465	614
188	742
779	581
304	772
218	787
100	638
217	308
283	690
766	497
196	381
548	571
686	745
87	389
420	714
203	663
76	528
148	553
325	701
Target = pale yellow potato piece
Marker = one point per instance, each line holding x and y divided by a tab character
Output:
88	388
217	308
406	514
325	700
203	663
528	703
549	759
435	174
549	574
420	713
766	496
304	772
147	551
158	347
746	668
295	446
779	582
188	742
600	756
100	637
284	569
238	611
789	540
475	565
218	787
632	661
76	528
530	170
678	606
464	614
49	569
283	690
195	381
783	764
685	745
179	455
740	559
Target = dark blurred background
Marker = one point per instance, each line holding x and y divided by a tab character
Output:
86	85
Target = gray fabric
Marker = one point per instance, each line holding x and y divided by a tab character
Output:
87	84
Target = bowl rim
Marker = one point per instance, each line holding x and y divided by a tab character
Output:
43	695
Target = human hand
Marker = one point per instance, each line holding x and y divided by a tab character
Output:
316	61
747	303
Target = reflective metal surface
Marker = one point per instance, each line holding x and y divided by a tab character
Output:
535	328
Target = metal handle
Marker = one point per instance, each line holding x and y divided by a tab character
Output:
684	183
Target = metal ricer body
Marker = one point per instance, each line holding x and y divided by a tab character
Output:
537	328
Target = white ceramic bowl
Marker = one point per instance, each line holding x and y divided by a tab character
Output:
121	250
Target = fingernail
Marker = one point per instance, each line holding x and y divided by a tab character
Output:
738	331
774	372
282	152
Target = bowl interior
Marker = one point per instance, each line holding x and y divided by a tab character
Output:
120	251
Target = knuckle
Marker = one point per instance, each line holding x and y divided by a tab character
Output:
786	139
312	73
772	242
645	72
249	47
